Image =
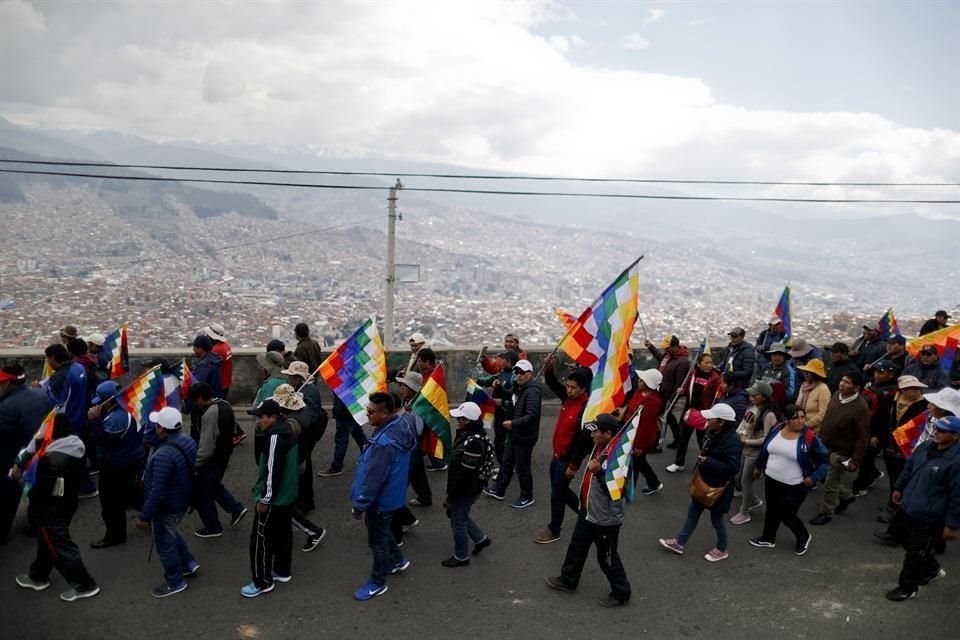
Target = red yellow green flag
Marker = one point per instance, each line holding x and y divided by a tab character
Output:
432	406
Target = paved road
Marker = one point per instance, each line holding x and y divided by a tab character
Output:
836	591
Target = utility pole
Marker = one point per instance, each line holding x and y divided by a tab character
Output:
391	264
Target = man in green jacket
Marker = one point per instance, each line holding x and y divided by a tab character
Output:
271	540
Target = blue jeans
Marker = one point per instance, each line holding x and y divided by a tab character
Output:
693	517
561	496
386	554
346	427
171	549
464	528
208	491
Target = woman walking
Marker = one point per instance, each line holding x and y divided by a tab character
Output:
757	422
701	391
794	460
814	393
718	464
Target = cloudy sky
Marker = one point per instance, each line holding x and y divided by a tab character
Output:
857	91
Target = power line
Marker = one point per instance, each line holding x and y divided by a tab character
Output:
567	194
488	176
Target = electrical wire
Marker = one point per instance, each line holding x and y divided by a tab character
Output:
486	176
483	191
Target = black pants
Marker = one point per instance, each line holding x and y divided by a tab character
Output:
641	466
605	539
305	525
56	550
117	493
10	492
683	442
402	517
418	478
783	502
499	441
868	469
919	564
271	545
516	456
894	465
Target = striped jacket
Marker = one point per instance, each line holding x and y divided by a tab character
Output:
278	474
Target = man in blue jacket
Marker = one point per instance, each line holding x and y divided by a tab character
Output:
738	359
22	409
167	489
928	491
380	488
68	390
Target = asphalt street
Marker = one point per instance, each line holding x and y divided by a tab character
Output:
835	591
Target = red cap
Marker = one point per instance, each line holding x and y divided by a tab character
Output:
7	377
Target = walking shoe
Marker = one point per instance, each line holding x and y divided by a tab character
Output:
885	517
313	541
437	467
407	527
675	468
480	546
238	516
844	503
165	590
191	570
649	491
417	502
490	493
400	567
522	503
369	590
740	518
756	505
610	601
880	476
103	544
802	548
823	518
886	538
939	574
558	584
239	437
91	494
900	594
453	562
27	582
79	594
859	493
207	532
546	537
672	545
762	543
281	579
715	555
329	472
251	590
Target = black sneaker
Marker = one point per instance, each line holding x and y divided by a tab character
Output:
238	516
939	574
886	538
165	590
762	543
880	476
329	473
480	546
558	584
453	562
802	548
844	503
900	594
821	519
313	541
610	601
207	532
490	493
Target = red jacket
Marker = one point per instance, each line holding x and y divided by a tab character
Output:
223	350
568	425
709	383
648	433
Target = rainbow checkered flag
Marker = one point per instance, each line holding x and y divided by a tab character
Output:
476	393
357	368
29	458
619	457
601	339
888	325
143	395
116	345
946	341
784	311
907	436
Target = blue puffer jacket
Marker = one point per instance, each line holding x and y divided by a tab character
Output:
118	438
812	455
931	486
168	479
383	469
739	360
738	401
68	390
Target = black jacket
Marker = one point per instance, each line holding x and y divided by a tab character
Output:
739	360
21	411
53	500
722	451
525	423
463	473
837	371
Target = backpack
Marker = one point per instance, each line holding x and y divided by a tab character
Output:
485	468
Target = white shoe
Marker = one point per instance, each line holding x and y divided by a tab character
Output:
675	468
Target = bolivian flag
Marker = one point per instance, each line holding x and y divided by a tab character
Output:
432	406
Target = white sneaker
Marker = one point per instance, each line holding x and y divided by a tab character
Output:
675	468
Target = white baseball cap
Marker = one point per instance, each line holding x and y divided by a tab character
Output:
720	411
469	410
523	365
168	418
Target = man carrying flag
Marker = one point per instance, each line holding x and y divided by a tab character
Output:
598	522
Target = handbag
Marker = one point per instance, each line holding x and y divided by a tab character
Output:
702	492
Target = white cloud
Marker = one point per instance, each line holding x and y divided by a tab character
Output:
635	42
654	15
463	83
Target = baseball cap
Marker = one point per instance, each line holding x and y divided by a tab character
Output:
168	418
469	410
8	376
720	411
651	377
203	341
943	313
95	338
268	407
603	422
737	331
669	340
885	365
898	340
760	388
417	338
523	365
950	423
106	389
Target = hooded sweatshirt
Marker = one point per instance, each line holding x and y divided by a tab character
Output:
382	471
56	489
